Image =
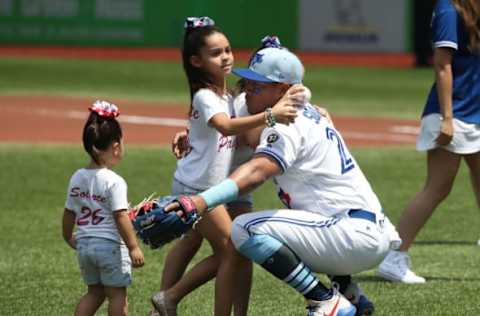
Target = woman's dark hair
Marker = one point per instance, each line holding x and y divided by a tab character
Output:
469	10
99	133
193	41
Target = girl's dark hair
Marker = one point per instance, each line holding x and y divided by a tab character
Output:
99	133
469	10
193	41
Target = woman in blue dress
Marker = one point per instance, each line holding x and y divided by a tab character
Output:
450	127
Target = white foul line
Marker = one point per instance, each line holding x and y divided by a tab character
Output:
397	133
129	119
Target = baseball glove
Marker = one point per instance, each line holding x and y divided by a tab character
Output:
155	226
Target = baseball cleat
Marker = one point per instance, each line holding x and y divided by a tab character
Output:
357	297
162	306
338	305
396	268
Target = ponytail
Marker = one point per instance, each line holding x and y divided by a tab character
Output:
469	10
101	129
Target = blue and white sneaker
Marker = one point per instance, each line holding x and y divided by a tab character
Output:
357	297
338	305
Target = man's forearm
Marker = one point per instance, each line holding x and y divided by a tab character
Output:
244	179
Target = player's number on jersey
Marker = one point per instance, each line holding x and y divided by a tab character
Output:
89	216
345	161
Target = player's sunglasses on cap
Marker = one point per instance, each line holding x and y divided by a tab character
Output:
255	87
273	65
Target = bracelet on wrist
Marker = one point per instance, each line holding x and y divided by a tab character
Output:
269	117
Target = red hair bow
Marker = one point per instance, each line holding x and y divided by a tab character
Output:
105	109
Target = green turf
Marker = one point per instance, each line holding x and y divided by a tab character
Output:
347	91
39	274
149	81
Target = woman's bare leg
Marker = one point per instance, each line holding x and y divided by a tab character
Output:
473	163
442	167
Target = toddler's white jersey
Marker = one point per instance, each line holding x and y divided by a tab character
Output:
211	153
319	173
94	194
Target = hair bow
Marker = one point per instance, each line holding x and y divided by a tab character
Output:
105	109
271	41
194	22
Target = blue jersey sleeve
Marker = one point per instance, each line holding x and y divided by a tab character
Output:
444	25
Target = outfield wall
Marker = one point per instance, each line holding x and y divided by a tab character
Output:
326	25
140	22
355	26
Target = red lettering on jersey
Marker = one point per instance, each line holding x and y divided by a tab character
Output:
74	192
226	142
89	217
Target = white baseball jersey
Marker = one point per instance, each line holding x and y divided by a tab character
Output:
211	154
94	194
331	227
319	173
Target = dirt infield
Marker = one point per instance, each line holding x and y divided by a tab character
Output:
41	119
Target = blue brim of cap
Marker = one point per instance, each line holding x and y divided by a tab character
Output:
249	74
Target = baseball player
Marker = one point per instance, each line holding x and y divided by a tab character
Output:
334	223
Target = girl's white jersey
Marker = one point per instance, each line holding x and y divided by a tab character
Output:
209	160
94	194
319	173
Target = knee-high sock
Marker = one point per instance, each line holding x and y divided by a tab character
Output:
282	262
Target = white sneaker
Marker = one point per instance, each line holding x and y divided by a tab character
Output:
396	268
357	297
163	307
338	305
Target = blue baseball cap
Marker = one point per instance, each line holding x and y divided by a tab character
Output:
273	64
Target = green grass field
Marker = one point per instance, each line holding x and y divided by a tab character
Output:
348	91
39	274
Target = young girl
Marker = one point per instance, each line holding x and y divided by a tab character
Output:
97	203
207	59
